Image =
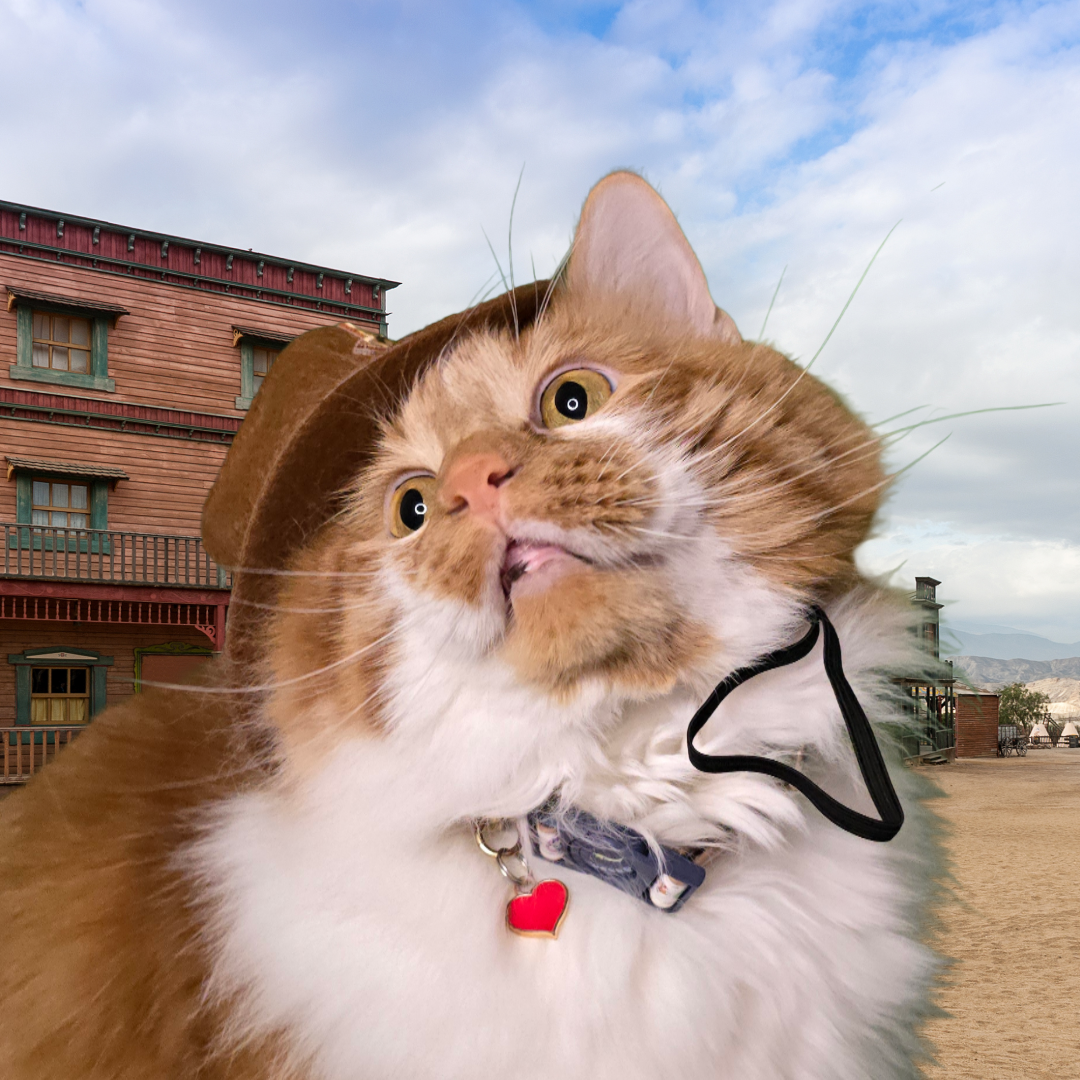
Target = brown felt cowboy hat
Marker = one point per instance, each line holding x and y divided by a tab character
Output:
311	428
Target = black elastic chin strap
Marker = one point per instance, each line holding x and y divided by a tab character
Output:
866	748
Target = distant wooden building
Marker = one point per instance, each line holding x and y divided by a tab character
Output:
130	358
976	723
929	698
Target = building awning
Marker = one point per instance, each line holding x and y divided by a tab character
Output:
48	467
70	305
271	337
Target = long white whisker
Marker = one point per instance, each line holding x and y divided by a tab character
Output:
776	404
264	687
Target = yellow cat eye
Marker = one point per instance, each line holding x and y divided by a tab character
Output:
572	396
409	505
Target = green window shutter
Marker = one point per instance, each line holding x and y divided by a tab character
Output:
247	375
97	690
24	503
99	504
22	693
24	348
99	348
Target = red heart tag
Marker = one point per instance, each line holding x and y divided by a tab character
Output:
538	913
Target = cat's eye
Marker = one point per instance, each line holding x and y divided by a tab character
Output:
410	505
572	396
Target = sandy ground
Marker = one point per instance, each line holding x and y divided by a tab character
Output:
1013	924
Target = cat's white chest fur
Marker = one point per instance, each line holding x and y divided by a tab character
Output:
375	939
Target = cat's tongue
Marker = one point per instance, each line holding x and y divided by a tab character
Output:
524	558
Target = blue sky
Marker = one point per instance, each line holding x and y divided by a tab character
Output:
385	138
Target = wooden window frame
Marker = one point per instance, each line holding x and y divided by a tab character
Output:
97	378
53	343
248	344
58	656
50	695
69	510
24	511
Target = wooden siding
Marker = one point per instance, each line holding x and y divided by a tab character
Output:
118	642
174	350
976	725
169	481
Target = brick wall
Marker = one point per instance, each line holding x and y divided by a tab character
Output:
976	725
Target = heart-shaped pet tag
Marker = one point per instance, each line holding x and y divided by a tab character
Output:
538	913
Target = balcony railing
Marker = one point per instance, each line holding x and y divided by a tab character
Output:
27	749
40	552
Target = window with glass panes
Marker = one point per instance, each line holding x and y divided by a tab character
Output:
59	695
60	504
61	343
262	361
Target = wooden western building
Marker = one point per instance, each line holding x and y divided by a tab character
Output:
976	722
929	698
127	362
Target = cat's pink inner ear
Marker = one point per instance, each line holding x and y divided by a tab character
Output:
628	242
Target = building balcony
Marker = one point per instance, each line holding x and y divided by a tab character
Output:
108	557
28	749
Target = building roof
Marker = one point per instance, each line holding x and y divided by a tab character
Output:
64	468
72	303
276	336
34	233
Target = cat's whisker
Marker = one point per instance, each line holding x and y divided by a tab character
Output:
765	494
605	458
287	610
661	533
805	370
510	255
279	683
630	468
556	276
811	519
273	572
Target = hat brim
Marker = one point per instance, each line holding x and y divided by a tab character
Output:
311	428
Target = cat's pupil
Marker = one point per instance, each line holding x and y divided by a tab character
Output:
571	400
412	509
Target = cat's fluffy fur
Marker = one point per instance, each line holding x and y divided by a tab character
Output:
300	895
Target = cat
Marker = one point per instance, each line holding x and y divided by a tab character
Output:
512	582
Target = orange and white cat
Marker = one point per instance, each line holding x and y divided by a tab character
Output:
573	525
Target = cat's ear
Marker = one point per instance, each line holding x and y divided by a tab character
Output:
628	242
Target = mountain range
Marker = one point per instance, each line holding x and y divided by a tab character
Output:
1008	645
991	672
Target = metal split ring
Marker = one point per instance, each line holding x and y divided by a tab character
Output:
520	879
496	853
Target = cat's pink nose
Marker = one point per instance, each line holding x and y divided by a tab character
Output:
473	482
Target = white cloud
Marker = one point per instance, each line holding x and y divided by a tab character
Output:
381	140
1033	585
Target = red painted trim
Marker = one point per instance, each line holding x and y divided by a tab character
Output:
138	594
101	413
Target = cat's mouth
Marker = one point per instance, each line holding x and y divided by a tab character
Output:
530	566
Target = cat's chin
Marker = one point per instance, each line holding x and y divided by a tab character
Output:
575	622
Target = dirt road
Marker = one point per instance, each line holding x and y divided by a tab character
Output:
1013	926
